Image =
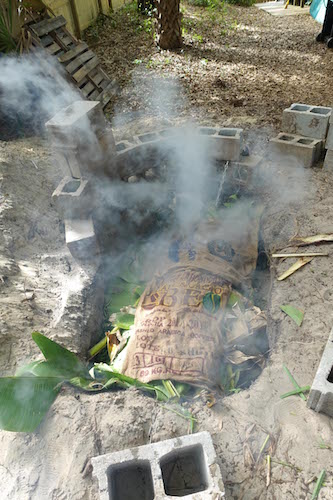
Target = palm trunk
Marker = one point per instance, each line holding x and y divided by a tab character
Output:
169	34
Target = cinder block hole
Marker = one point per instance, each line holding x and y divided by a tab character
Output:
121	146
305	141
131	481
71	186
207	131
147	137
286	138
330	376
184	471
320	111
228	132
300	107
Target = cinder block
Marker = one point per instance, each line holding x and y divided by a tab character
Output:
328	163
329	138
74	121
243	170
81	140
309	121
73	198
226	143
321	394
185	467
305	149
81	239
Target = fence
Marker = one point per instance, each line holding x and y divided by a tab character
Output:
79	14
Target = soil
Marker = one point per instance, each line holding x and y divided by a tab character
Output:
43	288
237	65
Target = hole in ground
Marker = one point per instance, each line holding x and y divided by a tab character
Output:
184	471
131	481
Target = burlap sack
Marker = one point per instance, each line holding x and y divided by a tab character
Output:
175	336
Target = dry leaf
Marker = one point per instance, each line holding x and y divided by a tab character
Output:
310	240
300	263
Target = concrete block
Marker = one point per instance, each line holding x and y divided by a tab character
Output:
226	143
185	467
321	394
81	239
329	138
304	149
243	170
73	198
328	163
309	121
74	121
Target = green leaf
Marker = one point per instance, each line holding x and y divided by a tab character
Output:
61	359
25	400
124	321
294	313
122	294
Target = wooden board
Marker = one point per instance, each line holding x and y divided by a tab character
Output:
71	54
79	75
47	25
79	61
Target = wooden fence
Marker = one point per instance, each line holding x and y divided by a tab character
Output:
79	14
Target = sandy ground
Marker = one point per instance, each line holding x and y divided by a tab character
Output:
53	462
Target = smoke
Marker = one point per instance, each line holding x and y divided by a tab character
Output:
33	88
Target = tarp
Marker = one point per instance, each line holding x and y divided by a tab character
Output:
318	10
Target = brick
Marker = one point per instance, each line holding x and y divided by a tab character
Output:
81	239
226	143
309	121
185	467
73	198
321	394
304	149
328	163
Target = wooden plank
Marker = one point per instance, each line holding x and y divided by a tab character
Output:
47	25
105	96
73	53
87	89
79	61
97	78
46	40
94	95
53	49
79	75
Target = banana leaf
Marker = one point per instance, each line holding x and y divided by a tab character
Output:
123	321
24	401
122	294
60	359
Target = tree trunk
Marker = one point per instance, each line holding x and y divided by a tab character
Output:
169	33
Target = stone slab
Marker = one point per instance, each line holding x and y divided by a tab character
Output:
321	394
184	467
306	120
304	149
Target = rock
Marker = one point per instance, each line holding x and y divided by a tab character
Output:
132	179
